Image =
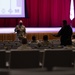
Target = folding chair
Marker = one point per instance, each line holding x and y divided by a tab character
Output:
24	59
2	59
58	58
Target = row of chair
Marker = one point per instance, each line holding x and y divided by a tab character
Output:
10	44
16	44
31	59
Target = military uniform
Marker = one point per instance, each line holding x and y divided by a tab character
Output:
24	47
21	31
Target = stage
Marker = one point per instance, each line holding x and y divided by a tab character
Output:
33	30
9	34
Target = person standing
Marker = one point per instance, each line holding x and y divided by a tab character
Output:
65	34
21	30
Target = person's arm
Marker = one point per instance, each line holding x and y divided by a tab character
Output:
71	31
17	29
59	33
24	30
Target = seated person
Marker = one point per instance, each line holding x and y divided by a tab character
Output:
33	43
45	41
34	39
24	45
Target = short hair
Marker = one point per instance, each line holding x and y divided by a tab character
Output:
64	21
33	37
20	21
45	37
24	41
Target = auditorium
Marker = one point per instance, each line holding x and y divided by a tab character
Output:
37	37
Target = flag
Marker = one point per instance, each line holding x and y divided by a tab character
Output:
72	10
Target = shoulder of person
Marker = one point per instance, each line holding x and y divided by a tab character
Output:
37	41
23	25
17	25
19	48
69	26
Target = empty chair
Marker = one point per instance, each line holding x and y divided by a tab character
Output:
15	45
1	46
1	42
6	42
17	42
24	59
74	56
55	43
2	59
58	58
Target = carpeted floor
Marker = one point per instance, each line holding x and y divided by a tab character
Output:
39	71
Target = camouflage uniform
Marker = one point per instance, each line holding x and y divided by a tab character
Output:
21	31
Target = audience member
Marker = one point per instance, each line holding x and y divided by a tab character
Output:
34	40
24	45
65	34
44	42
21	31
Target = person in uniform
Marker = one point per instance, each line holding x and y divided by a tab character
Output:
21	30
24	45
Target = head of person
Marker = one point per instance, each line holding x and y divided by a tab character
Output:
20	22
45	38
64	22
24	41
33	38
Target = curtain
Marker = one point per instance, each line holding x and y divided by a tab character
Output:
42	13
73	21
